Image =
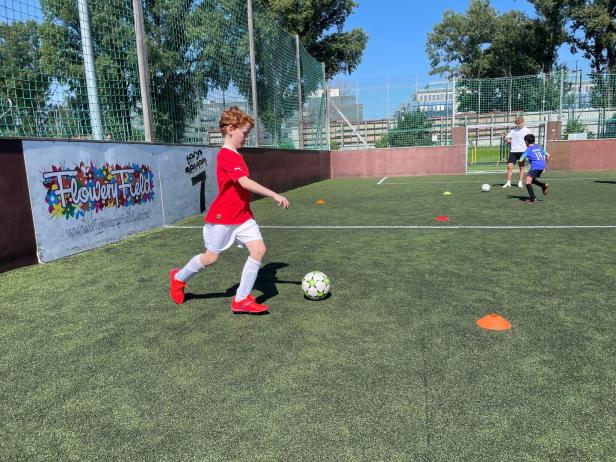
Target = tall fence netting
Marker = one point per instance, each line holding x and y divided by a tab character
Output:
198	62
411	111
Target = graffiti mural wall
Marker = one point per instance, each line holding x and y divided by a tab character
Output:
84	195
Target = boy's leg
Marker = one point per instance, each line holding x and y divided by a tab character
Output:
249	235
179	277
544	186
196	264
521	179
529	187
251	268
216	238
509	174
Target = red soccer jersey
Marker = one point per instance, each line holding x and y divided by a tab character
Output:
232	205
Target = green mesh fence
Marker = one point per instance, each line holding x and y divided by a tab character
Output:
313	91
43	87
409	111
198	64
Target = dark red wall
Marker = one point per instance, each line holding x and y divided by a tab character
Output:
17	240
281	170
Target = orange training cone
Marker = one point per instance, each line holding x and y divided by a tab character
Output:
493	322
442	218
319	202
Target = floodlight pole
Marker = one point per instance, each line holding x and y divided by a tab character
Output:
144	80
253	71
90	70
299	93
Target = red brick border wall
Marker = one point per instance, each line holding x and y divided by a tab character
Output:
17	239
434	160
582	154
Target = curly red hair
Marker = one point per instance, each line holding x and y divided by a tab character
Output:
236	118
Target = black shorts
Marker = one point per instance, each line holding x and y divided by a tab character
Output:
535	173
515	157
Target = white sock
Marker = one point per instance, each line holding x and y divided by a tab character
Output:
190	270
249	276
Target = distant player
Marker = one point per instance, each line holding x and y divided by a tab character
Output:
229	218
516	138
538	159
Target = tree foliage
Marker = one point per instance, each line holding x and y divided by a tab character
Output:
483	43
319	25
23	91
593	31
412	128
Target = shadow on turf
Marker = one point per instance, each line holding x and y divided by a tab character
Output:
266	284
605	181
520	198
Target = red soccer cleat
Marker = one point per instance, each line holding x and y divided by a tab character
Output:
176	289
248	306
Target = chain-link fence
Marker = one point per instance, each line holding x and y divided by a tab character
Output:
69	69
409	111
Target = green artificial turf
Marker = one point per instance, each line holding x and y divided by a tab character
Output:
96	362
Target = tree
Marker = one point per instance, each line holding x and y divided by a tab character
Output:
319	25
596	21
549	30
412	128
456	45
192	48
482	43
23	90
115	61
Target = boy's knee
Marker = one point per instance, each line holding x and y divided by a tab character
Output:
208	258
258	251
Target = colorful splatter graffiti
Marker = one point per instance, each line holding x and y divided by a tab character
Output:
71	193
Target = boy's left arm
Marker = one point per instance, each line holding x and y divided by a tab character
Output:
256	188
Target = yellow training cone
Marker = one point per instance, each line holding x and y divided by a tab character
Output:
319	202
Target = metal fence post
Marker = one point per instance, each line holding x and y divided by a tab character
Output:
562	89
453	102
510	96
253	70
328	136
144	80
299	93
90	70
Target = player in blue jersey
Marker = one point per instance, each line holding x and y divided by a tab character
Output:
538	159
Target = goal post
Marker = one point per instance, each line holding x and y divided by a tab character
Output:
484	143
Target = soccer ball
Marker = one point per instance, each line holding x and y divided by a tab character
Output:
315	285
485	187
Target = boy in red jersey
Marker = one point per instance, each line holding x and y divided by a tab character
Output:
229	218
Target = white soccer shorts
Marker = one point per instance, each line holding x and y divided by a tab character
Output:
219	238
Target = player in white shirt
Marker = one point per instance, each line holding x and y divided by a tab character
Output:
516	138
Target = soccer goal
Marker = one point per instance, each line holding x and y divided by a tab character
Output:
487	149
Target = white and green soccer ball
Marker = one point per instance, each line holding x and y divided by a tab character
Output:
485	187
315	285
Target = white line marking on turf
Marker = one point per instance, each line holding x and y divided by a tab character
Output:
475	181
383	179
419	227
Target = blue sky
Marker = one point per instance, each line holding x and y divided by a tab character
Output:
398	29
